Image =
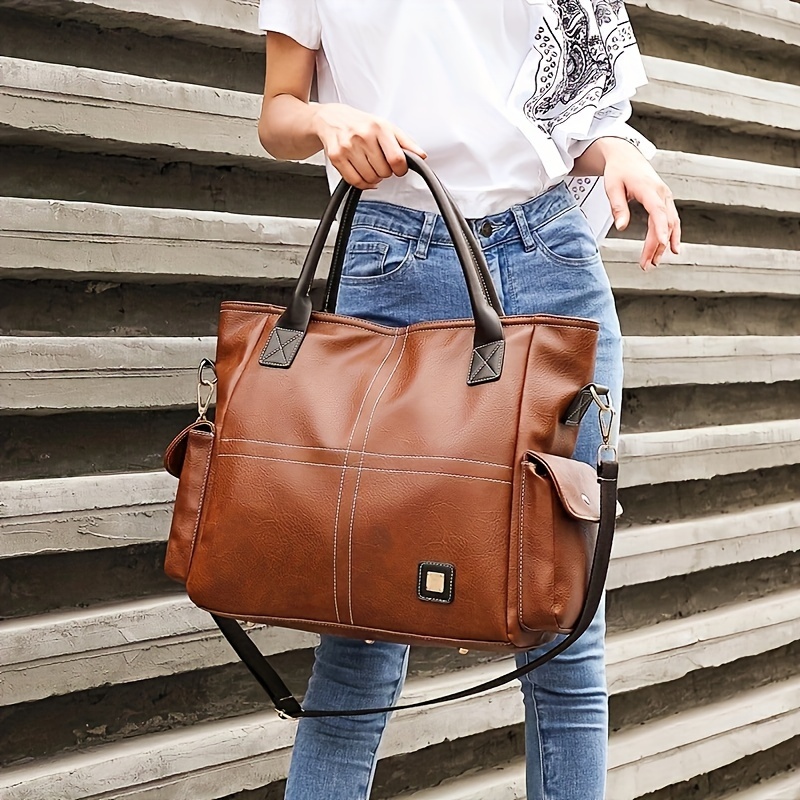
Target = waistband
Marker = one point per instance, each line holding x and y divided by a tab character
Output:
426	227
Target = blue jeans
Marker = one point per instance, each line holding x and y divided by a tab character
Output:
400	268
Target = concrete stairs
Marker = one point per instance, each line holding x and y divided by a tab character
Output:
134	197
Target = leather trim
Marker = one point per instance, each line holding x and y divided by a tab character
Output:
281	348
487	363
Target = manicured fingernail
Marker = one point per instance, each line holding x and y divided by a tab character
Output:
618	223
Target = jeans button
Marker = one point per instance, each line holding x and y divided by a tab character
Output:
487	229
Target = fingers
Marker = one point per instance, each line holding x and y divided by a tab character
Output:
392	149
675	238
372	154
350	171
407	143
663	228
618	197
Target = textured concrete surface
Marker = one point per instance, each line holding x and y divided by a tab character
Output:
702	453
784	787
70	651
715	97
231	23
778	20
646	553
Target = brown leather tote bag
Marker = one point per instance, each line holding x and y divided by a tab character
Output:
411	484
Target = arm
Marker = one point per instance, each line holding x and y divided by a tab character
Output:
364	148
629	176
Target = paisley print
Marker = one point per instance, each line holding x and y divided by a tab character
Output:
575	86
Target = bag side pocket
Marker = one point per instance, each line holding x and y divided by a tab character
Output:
559	511
193	472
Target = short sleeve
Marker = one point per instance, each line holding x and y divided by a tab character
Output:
298	19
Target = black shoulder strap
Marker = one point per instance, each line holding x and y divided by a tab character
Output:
288	705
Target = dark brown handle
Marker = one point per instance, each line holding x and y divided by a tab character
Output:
489	342
340	249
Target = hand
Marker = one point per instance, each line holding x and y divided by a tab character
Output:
364	148
629	176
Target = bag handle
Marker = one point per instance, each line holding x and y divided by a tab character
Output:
289	707
340	249
486	365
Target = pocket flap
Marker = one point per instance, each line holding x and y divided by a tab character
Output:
575	482
176	452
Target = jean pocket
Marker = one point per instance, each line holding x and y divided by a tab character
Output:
568	239
374	256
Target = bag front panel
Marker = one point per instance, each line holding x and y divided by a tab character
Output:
334	478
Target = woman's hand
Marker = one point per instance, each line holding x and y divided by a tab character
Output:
629	176
364	148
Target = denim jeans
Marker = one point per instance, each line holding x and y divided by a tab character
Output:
400	268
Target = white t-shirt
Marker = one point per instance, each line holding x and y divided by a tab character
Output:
503	95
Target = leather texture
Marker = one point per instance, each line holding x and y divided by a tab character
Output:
371	451
189	458
333	480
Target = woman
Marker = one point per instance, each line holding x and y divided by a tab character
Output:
506	99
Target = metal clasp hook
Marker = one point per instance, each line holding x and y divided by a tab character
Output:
605	415
204	382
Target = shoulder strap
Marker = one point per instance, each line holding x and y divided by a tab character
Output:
289	707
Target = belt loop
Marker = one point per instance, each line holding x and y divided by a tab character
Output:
425	236
524	228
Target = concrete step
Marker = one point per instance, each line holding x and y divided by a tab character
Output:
45	374
224	23
90	110
729	183
776	20
665	751
234	22
702	453
695	93
682	360
216	759
782	787
100	511
54	654
64	652
646	553
50	239
63	515
87	109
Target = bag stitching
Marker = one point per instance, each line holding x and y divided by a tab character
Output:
402	331
366	469
358	480
280	348
366	452
342	479
202	498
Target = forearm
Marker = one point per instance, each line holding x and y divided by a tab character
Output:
593	160
287	128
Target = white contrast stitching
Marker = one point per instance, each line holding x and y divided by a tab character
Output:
419	582
366	469
395	332
366	452
202	497
521	528
344	473
358	481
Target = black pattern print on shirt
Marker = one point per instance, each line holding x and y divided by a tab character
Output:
577	59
